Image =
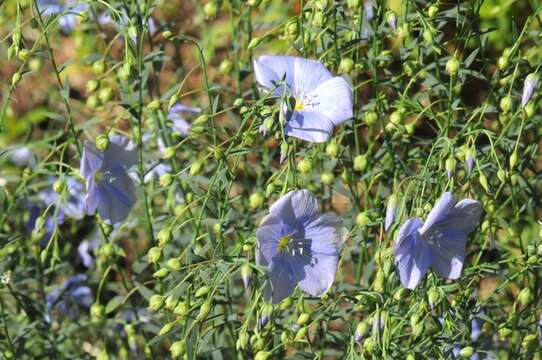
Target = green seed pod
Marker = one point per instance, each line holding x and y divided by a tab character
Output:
360	162
99	67
92	85
432	11
319	20
262	355
332	150
132	32
178	349
504	333
529	343
210	9
466	352
156	302
303	319
327	178
195	168
502	63
34	64
506	103
23	54
171	302
154	105
346	65
256	200
369	345
452	66
403	31
396	118
433	297
301	334
242	341
204	310
162	273
269	190
60	185
154	255
97	312
238	102
353	4
105	95
167	328
202	291
16	78
286	304
525	297
92	101
164	236
427	36
182	309
363	219
292	30
165	180
513	159
304	166
529	110
370	118
174	264
255	42
225	67
102	142
167	34
501	175
483	181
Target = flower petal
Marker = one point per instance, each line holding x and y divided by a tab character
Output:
296	207
121	153
448	237
412	254
326	235
333	99
91	160
270	70
309	126
308	75
439	211
116	194
283	277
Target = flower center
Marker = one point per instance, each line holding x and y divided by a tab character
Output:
299	105
98	176
284	241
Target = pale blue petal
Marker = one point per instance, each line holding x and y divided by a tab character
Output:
116	197
23	157
325	237
309	126
332	99
92	198
180	107
49	7
121	152
269	70
283	277
439	211
296	207
269	233
180	125
91	160
412	254
390	217
448	237
308	75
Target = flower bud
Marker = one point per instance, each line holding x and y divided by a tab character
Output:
162	273
154	105
530	110
255	42
105	95
262	355
319	19
502	63
301	334
92	101
361	330
513	159
225	67
167	328
238	102
452	66
154	255
92	85
501	175
156	302
256	200
529	87
391	18
432	11
242	340
167	34
171	302
102	142
450	166
506	104
303	319
403	31
202	291
204	310
353	4
363	219
165	180
16	78
483	181
390	212
178	349
396	118
292	30
286	304
433	297
195	168
174	264
346	65
246	274
97	312
525	297
304	166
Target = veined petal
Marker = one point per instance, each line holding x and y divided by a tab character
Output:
439	211
283	277
92	197
448	237
412	254
121	153
325	236
180	107
269	233
333	99
309	126
296	207
91	160
308	75
270	70
116	195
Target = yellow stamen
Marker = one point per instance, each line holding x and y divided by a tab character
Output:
98	176
299	105
283	242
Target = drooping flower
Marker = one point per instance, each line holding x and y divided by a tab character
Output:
180	125
368	15
298	245
70	11
390	212
84	250
321	100
110	190
529	87
470	155
438	243
68	298
23	157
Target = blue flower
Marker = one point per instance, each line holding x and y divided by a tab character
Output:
390	212
70	296
84	250
321	100
69	11
529	87
297	244
23	157
439	242
110	190
180	125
